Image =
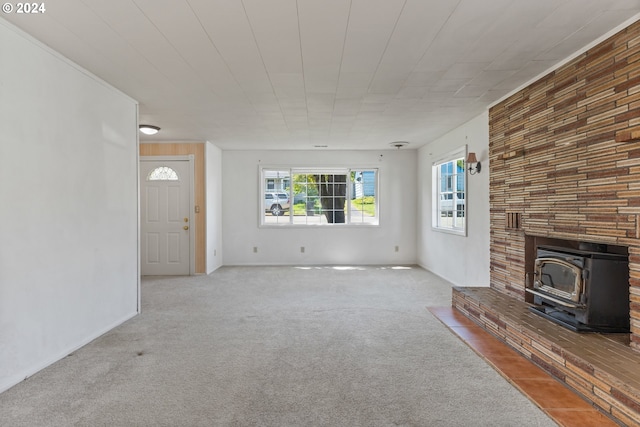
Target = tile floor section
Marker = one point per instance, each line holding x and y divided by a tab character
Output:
563	405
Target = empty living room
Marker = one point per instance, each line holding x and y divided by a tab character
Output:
305	213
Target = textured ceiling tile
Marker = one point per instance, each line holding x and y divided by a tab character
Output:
282	73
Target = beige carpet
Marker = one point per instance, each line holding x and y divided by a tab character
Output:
277	346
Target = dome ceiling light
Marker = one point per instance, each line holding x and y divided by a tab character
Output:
149	129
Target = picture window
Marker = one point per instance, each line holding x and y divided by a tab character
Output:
319	196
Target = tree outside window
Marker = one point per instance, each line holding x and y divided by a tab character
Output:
327	197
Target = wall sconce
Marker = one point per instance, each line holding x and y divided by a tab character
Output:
149	129
474	164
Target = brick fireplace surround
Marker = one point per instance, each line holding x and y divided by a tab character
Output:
564	159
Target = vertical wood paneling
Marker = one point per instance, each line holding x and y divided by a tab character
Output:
577	175
183	149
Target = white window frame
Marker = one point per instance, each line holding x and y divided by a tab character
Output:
287	220
438	223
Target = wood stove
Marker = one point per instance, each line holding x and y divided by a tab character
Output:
585	290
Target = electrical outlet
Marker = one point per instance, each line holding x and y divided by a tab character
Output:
255	249
301	249
397	248
215	252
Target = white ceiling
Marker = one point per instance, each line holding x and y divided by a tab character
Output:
294	74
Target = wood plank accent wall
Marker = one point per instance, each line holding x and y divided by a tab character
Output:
578	177
183	149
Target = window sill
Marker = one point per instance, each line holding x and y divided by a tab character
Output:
462	233
323	226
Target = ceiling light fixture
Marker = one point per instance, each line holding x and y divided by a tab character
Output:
399	144
149	129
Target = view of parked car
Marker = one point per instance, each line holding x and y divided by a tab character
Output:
276	203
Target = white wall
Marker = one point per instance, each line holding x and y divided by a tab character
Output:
213	188
68	217
324	244
464	261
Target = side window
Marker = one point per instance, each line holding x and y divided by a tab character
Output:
276	206
449	193
364	198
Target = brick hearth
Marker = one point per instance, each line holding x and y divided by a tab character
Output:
600	367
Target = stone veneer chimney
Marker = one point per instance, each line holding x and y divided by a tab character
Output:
565	163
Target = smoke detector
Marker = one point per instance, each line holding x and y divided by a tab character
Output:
399	144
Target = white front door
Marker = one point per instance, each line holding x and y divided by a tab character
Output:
165	220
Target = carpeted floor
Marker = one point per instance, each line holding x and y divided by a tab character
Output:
277	346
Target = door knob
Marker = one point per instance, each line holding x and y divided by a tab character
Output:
186	227
186	219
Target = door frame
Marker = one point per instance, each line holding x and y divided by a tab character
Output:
192	171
